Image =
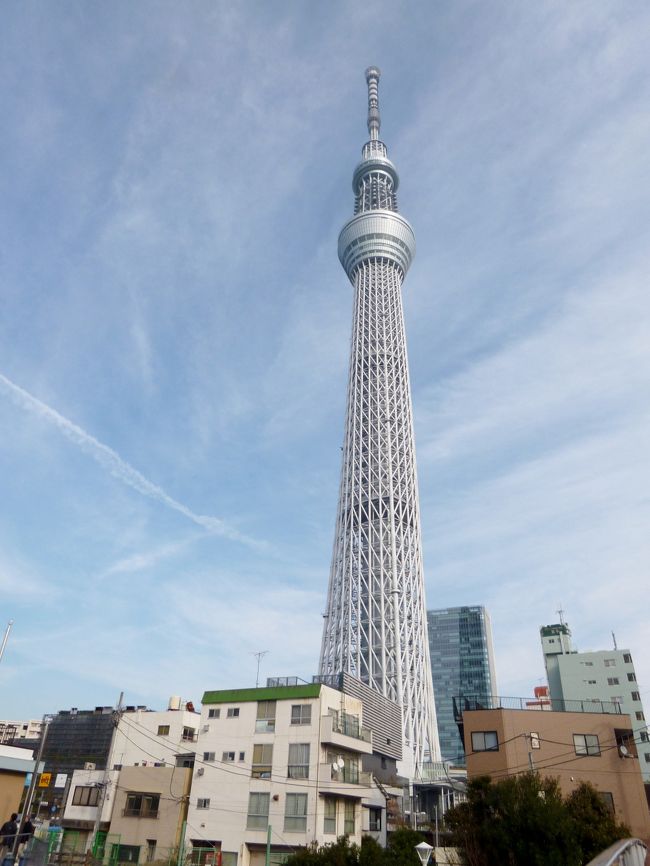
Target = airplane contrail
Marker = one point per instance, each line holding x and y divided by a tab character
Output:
111	461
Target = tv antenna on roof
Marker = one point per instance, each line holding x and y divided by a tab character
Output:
560	613
259	656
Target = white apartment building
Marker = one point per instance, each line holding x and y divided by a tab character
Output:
585	678
22	729
282	763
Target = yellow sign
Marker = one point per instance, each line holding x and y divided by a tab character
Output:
44	781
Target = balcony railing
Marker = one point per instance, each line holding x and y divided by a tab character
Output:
626	852
465	703
344	723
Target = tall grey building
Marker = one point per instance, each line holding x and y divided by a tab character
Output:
604	675
375	625
462	664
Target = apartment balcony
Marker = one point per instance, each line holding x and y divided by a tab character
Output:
343	782
346	734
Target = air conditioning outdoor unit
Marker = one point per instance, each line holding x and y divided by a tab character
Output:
89	765
200	771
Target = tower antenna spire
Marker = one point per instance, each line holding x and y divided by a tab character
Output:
374	120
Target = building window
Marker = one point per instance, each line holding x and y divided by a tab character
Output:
608	799
185	761
151	850
85	795
214	714
265	721
242	756
636	696
189	734
141	805
534	740
295	814
262	761
298	761
203	803
639	716
610	663
348	771
612	681
301	714
233	713
631	678
485	741
258	811
587	664
226	757
163	730
644	736
125	853
617	699
647	757
348	818
374	819
329	821
586	744
208	756
627	658
590	682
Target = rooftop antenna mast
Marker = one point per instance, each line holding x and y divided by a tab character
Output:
560	613
614	639
5	638
259	656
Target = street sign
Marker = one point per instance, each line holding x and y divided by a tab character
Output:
60	779
44	781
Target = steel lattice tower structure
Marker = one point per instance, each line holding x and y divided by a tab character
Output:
375	624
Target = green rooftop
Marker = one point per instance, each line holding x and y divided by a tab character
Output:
275	693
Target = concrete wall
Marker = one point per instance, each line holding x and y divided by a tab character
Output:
11	790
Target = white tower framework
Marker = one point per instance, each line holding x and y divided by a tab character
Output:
375	624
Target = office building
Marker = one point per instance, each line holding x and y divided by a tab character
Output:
462	664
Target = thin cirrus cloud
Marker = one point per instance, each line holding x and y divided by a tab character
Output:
114	464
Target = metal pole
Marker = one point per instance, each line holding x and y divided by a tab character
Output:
5	638
181	845
104	783
267	859
436	813
30	793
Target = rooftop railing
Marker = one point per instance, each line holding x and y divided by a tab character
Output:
465	703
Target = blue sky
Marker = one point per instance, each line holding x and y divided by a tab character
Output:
175	325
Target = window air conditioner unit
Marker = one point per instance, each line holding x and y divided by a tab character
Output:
200	771
205	729
89	766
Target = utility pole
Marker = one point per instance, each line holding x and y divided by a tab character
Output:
32	787
5	638
117	715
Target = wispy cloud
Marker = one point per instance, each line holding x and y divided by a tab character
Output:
114	464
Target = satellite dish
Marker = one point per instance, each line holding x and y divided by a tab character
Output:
623	751
340	762
335	766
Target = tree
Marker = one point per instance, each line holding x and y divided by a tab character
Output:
520	821
595	826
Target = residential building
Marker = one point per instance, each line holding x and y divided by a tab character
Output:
15	765
462	663
142	812
104	739
375	626
575	742
604	675
287	759
11	732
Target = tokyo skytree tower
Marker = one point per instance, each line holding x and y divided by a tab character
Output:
375	624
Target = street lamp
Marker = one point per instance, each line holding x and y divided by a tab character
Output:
424	852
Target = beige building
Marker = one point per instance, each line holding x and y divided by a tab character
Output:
15	764
148	813
574	747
